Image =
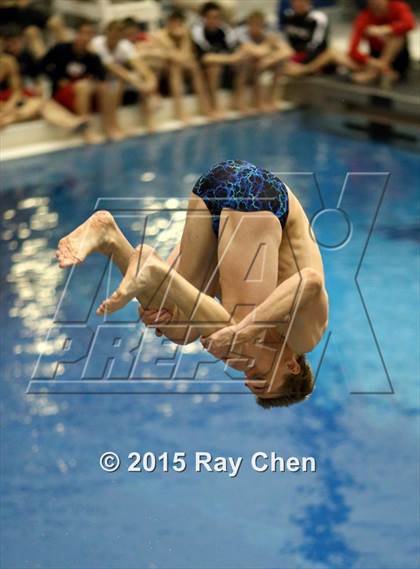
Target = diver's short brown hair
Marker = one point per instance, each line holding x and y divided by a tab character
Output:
296	387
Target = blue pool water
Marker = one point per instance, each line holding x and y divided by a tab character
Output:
360	508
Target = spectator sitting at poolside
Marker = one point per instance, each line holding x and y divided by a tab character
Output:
177	51
15	44
229	7
216	45
32	23
385	25
144	43
78	79
124	68
306	30
20	94
133	33
264	51
15	104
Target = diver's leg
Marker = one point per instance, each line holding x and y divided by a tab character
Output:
196	262
156	284
248	273
198	250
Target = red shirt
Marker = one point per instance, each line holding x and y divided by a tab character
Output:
399	16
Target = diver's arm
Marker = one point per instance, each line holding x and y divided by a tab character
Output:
280	307
291	295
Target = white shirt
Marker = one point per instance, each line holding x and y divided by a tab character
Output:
123	53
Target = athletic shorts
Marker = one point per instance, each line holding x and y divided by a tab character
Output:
241	186
5	94
66	96
306	56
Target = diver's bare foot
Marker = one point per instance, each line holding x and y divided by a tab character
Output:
95	234
136	278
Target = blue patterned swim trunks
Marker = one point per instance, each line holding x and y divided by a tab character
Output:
239	185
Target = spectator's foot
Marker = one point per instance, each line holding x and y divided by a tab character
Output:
94	235
272	107
150	126
91	137
365	77
261	107
295	69
219	115
209	114
185	119
252	111
242	109
81	126
116	134
389	78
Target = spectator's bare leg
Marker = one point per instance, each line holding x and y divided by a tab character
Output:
239	96
84	91
273	94
176	85
214	73
146	106
199	89
328	57
257	89
382	65
112	97
29	109
393	46
58	115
